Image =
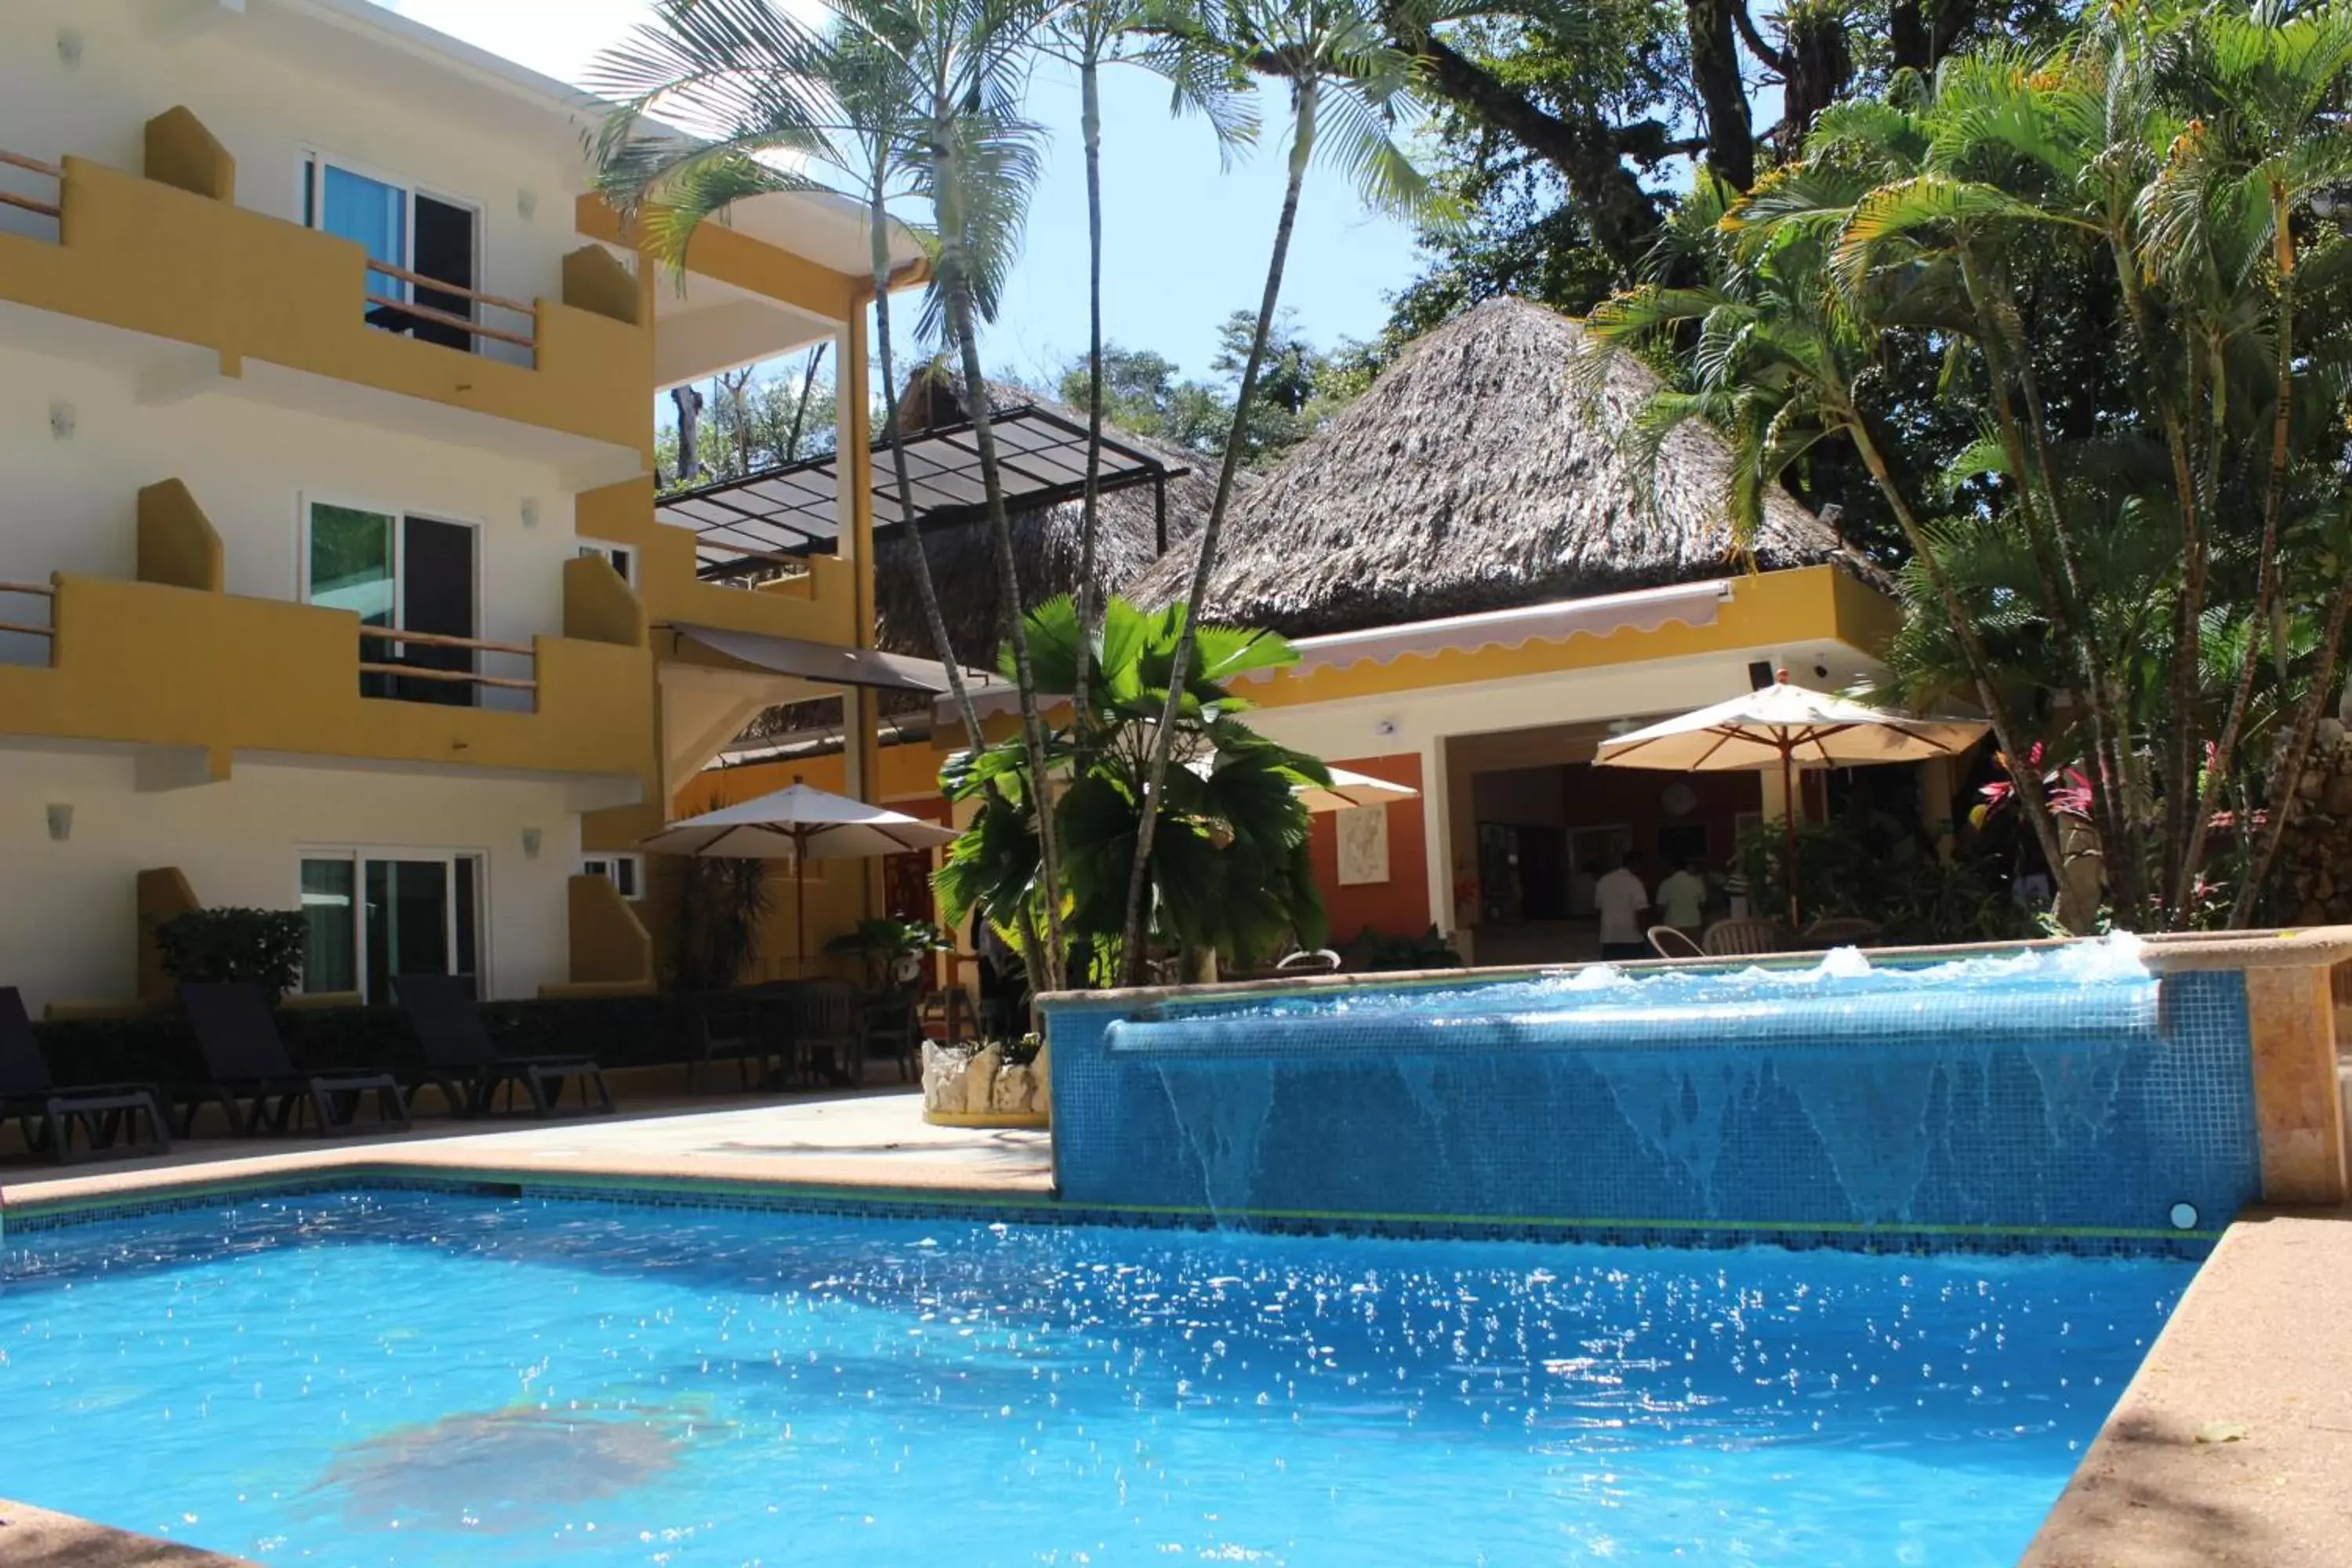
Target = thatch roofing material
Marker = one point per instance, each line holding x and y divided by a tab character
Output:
1473	476
1045	540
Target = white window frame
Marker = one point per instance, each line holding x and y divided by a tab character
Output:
311	201
359	855
607	548
602	864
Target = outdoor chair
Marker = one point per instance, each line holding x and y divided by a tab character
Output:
257	1084
741	1027
1745	937
826	1025
48	1114
891	1029
1672	942
1842	931
465	1067
950	1012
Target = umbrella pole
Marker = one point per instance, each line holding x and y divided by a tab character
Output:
1789	807
799	906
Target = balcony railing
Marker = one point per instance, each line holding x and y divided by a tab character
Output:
406	669
30	590
33	165
466	324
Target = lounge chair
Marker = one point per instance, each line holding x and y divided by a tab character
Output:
741	1027
249	1070
48	1114
465	1067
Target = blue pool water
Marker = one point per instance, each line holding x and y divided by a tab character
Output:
425	1379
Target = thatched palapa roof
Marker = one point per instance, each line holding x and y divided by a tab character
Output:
1473	476
1045	540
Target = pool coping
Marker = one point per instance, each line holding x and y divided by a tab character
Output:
30	1536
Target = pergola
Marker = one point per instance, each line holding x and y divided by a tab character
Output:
778	517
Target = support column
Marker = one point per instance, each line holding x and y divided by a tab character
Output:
2298	1105
1437	829
1776	797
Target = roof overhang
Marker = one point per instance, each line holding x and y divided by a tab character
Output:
1642	610
742	525
825	664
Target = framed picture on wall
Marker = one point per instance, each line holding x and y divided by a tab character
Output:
1363	839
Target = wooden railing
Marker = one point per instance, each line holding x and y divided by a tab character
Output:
436	640
34	165
34	590
417	280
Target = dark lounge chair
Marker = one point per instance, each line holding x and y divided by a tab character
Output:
465	1067
257	1084
48	1114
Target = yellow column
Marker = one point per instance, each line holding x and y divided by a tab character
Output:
2298	1105
1776	797
1936	804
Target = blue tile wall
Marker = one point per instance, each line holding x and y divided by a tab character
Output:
2063	1115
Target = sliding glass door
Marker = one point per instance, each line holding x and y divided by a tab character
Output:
401	227
369	918
403	572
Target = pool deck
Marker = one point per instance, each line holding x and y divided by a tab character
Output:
34	1538
869	1141
2231	1447
2233	1444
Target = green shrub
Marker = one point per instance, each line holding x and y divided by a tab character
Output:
258	947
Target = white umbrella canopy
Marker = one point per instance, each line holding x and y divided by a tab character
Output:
798	824
1793	727
1348	789
1345	789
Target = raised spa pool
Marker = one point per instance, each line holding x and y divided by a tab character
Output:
419	1378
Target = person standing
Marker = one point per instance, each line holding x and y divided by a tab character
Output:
1622	901
1681	899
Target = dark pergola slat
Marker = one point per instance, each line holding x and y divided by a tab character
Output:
744	526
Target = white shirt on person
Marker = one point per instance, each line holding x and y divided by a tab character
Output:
1621	898
1681	899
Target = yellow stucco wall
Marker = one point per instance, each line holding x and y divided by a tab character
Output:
146	255
176	666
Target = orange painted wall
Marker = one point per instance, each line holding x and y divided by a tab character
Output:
1399	906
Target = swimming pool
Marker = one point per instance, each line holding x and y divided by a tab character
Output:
426	1378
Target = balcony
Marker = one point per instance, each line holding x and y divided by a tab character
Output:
163	275
193	678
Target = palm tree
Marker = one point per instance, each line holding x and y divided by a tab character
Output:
769	93
1084	34
1350	89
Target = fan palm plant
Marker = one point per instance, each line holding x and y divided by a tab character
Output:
1229	874
1350	88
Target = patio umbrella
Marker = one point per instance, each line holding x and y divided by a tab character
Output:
1345	789
797	824
1795	727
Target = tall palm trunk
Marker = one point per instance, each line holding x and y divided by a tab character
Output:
961	314
2280	792
1090	512
878	223
1138	878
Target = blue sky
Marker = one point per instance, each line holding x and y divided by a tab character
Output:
1184	245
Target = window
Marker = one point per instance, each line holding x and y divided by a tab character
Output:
370	916
623	557
399	227
625	872
405	574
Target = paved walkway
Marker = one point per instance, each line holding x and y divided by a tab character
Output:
35	1538
875	1139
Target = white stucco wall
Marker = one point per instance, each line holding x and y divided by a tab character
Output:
67	925
273	82
71	505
